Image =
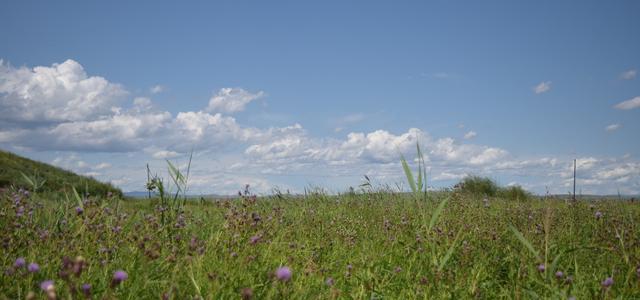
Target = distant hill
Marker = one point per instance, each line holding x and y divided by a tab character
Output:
55	179
144	194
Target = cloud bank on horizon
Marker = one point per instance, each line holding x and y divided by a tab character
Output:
93	126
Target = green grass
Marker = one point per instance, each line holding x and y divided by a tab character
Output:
22	172
397	247
474	242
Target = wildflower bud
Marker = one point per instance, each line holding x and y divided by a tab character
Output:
31	296
48	287
246	293
78	265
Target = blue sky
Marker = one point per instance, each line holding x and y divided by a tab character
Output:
325	92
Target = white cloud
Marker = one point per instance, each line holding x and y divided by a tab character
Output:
544	86
629	74
230	100
156	89
469	135
102	166
612	127
164	154
441	75
449	176
60	93
620	171
241	154
629	104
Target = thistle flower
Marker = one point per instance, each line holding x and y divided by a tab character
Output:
559	274
329	281
79	210
86	290
598	214
118	277
254	239
541	267
607	282
283	274
33	267
46	285
20	262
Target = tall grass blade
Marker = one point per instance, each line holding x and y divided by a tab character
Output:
409	174
436	214
447	256
524	241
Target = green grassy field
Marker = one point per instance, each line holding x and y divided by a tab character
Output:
377	245
477	241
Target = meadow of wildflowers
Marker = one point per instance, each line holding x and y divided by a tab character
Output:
358	245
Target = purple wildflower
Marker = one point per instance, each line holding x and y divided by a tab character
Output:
20	211
79	210
118	277
20	262
255	239
46	285
33	267
283	273
607	282
559	274
329	281
598	215
541	267
86	290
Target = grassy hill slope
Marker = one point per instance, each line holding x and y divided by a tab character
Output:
55	179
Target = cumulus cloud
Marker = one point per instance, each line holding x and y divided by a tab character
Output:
543	87
612	127
241	154
469	135
156	89
230	100
164	154
60	93
629	104
629	74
